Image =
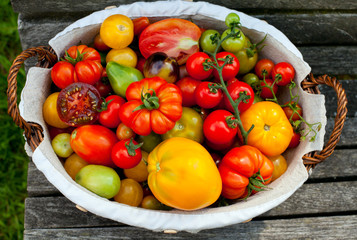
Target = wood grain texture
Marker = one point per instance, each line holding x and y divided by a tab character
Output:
298	228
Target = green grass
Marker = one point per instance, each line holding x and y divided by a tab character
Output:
13	159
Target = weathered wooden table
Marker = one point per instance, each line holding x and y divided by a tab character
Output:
325	207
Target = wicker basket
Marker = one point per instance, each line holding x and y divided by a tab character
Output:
47	58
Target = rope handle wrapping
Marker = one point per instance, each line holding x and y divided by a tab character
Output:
47	58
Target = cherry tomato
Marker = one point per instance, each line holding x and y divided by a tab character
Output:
264	66
195	66
289	112
140	172
140	24
188	85
126	153
110	116
280	166
50	114
54	131
117	31
61	145
216	129
295	140
99	44
207	96
88	71
74	164
140	64
231	69
252	79
209	40
123	132
265	91
130	193
235	90
150	202
235	43
124	56
232	19
78	104
284	73
183	72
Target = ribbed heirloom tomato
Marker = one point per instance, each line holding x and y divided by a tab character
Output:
183	175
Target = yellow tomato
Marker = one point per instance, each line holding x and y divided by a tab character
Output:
183	175
117	31
124	56
272	130
280	166
49	110
74	164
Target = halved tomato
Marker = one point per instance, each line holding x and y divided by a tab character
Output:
176	37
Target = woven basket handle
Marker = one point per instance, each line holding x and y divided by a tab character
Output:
46	58
310	85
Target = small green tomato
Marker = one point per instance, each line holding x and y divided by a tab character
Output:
61	145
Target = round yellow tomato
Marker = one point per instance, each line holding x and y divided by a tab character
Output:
117	31
124	56
139	172
183	175
49	110
130	193
272	130
74	164
280	166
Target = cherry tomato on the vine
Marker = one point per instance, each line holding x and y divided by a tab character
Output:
207	95
235	90
235	43
295	140
209	40
290	113
231	69
266	92
284	73
264	68
195	66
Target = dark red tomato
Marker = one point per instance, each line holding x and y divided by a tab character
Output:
177	38
99	44
103	86
284	73
140	24
88	71
216	129
264	68
231	69
289	112
140	64
55	131
235	89
195	66
187	85
110	116
126	154
207	96
216	158
78	104
295	140
63	74
94	144
202	111
266	91
219	146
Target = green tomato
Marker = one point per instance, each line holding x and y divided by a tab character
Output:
233	44
232	19
149	142
209	40
189	126
121	76
248	57
61	145
101	180
257	98
252	79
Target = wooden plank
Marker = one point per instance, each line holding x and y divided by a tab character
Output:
52	6
37	184
335	227
348	136
316	198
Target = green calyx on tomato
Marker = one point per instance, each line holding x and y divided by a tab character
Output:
131	147
209	40
150	101
120	77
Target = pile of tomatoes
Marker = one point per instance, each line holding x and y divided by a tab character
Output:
144	116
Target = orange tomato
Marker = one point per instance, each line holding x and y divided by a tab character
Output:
140	172
272	130
183	175
124	56
130	193
117	31
74	164
280	166
50	114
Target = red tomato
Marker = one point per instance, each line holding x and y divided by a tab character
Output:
140	24
82	52
266	92
103	86
88	71
195	66
235	90
295	140
110	116
153	105
216	129
207	96
289	112
126	154
230	70
94	144
99	44
54	131
242	167
284	73
187	85
264	68
78	104
63	74
176	37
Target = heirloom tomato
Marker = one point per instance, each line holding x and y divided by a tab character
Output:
235	90
183	180
117	31
126	153
272	130
195	66
280	166
130	193
78	104
94	144
177	38
124	56
188	126
50	114
82	53
187	85
109	116
283	72
150	202
160	65
244	170
207	95
153	105
231	69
